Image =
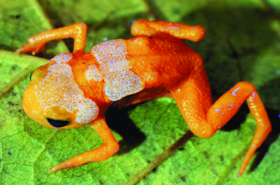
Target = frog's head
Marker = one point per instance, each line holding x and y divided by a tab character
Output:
54	99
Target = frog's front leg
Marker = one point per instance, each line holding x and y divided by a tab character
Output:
193	98
37	42
109	147
156	28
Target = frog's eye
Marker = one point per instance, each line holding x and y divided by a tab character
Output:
58	123
30	76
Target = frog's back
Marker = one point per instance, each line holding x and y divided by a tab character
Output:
120	81
130	66
167	59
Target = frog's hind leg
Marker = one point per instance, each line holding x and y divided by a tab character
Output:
193	98
155	28
37	42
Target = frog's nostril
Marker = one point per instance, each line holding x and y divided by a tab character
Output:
58	123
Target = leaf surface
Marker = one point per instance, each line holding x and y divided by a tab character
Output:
242	43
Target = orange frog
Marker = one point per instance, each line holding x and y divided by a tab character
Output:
74	90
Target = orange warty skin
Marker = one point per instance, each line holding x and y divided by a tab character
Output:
74	90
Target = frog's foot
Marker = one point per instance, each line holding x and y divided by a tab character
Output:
32	46
101	153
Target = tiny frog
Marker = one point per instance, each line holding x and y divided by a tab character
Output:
73	90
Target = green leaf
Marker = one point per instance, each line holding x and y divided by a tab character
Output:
242	43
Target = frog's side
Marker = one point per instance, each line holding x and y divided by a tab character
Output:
74	90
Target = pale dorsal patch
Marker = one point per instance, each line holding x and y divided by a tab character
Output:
92	73
59	88
62	58
120	81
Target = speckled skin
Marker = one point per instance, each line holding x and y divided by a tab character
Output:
79	88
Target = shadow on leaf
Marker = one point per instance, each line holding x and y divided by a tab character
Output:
118	120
